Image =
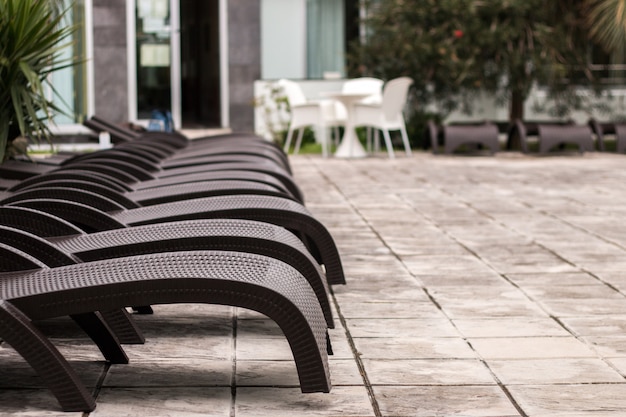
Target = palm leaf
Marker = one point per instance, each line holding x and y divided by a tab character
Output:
33	35
606	20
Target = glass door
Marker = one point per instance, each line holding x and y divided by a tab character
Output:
156	54
71	91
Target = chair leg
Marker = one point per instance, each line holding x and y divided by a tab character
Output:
296	149
288	141
405	140
368	135
19	332
324	137
376	140
387	137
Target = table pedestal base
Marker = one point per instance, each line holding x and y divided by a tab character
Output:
350	147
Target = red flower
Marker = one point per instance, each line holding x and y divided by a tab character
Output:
458	34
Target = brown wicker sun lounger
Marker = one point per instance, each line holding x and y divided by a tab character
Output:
237	279
92	212
25	229
181	147
115	184
154	154
150	196
133	174
169	150
148	163
176	139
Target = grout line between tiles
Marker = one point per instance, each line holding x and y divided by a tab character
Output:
359	362
99	383
500	384
355	353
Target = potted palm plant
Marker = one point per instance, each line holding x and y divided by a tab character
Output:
32	36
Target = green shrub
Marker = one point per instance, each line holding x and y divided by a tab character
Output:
32	36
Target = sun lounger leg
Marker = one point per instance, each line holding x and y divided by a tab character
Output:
95	327
18	331
124	327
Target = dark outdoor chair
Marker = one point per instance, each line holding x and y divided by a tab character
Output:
550	134
457	134
601	129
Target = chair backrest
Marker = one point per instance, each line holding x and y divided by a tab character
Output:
363	85
292	90
394	97
367	85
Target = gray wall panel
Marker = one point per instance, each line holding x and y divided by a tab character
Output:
110	60
244	38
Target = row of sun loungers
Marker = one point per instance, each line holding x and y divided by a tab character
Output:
160	219
548	135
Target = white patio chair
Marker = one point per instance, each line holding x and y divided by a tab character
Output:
305	113
388	114
365	85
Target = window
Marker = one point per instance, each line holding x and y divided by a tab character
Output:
326	38
70	91
609	68
153	44
303	39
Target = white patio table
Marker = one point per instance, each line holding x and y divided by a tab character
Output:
350	147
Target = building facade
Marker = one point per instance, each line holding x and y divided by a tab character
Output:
201	59
198	59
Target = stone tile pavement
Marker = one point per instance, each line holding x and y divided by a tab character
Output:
477	286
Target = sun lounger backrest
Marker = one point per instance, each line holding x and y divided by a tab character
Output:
20	261
121	155
131	169
34	246
70	174
99	189
88	219
36	222
111	171
65	193
117	135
